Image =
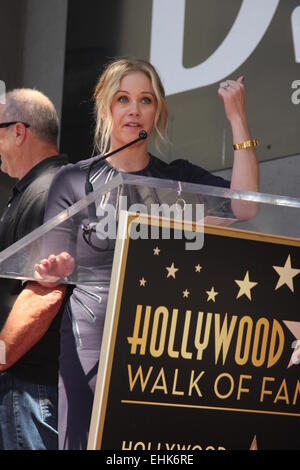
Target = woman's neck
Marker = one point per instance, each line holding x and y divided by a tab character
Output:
134	158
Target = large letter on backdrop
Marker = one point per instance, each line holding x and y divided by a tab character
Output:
167	35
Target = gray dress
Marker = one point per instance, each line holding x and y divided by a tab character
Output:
84	312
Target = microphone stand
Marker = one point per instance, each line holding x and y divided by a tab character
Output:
88	184
90	227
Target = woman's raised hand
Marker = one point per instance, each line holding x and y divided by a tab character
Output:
233	94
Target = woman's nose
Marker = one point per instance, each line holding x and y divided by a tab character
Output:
134	108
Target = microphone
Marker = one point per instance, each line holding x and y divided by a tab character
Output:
87	229
88	185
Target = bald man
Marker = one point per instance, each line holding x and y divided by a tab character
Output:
28	378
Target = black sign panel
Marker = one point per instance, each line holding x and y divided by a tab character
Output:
207	345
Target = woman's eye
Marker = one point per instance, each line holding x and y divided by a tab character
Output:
123	99
146	100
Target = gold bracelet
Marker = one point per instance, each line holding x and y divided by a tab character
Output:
246	144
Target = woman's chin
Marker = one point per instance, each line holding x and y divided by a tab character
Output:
132	131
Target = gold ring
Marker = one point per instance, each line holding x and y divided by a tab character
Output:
225	85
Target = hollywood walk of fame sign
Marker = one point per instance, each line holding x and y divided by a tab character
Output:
201	348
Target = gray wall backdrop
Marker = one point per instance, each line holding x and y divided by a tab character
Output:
60	47
32	52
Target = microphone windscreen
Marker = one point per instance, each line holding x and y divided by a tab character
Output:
143	135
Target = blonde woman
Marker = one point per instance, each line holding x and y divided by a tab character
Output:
129	97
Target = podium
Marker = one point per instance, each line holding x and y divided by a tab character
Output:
201	343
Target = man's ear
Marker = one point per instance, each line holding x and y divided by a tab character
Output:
20	133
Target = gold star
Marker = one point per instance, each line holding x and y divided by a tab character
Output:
245	286
172	270
286	274
142	282
211	294
185	293
156	251
198	268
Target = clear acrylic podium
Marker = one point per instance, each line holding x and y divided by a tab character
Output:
88	222
201	343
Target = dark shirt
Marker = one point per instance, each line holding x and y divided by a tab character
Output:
25	212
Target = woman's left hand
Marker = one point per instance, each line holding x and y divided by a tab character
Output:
233	94
245	168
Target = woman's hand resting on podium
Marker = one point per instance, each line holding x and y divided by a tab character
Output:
54	269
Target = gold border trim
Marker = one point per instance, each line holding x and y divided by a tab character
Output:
219	408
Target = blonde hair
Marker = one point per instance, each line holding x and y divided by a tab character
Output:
107	86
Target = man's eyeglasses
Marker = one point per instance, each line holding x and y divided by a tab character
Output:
7	124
